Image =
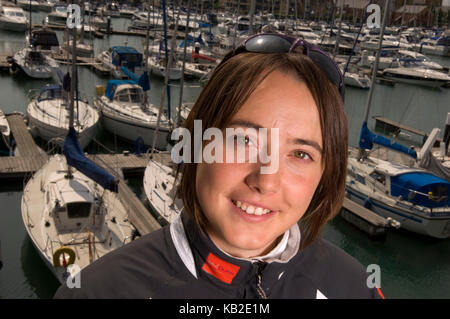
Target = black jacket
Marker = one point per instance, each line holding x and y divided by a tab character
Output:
180	261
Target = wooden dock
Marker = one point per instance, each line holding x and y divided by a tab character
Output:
365	219
139	215
29	158
96	65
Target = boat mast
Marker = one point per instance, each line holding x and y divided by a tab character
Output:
147	43
377	59
374	72
180	102
168	67
30	20
72	84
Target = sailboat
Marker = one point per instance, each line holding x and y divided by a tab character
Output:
48	116
160	189
126	112
69	209
408	194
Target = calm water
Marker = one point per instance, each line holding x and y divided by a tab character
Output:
412	266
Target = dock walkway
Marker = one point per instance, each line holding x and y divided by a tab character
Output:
28	157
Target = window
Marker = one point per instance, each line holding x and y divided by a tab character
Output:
135	96
380	178
78	210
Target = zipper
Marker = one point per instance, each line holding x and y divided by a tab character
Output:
259	289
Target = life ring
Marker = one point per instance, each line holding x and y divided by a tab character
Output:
63	250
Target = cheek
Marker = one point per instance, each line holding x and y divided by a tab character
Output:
216	181
299	191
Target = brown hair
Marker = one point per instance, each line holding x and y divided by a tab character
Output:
228	89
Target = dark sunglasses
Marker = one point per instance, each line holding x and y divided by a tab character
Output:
280	43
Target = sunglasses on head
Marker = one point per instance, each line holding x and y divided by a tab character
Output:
280	43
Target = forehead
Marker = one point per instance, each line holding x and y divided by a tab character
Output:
283	101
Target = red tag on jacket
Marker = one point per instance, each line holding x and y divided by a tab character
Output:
220	269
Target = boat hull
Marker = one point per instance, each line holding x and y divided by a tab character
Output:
418	81
434	225
48	132
131	130
13	26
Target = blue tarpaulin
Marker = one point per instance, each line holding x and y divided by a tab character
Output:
126	55
75	157
423	189
112	86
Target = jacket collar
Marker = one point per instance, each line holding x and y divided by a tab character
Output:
204	259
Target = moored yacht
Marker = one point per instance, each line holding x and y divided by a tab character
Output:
71	220
48	116
119	56
412	196
418	76
161	192
126	114
34	63
13	19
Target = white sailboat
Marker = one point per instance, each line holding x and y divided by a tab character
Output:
34	63
160	190
48	116
412	196
126	114
71	220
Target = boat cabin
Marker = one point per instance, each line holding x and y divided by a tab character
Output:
12	12
44	39
71	204
124	91
415	186
126	56
34	58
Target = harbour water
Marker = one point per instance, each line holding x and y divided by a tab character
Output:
412	266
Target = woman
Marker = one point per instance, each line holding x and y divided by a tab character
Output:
246	233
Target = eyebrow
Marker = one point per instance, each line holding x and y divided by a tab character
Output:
297	141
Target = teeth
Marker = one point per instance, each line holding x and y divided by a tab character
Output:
251	209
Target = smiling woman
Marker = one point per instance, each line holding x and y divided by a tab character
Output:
245	233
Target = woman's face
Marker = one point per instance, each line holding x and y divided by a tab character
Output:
269	203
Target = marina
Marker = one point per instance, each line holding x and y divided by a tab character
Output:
405	111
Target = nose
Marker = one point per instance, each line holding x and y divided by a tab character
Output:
264	184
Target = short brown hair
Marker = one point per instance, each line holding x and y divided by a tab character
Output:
228	89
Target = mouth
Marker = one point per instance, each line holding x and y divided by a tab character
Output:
251	209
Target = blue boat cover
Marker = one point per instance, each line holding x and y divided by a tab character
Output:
367	138
126	55
112	86
432	191
76	158
53	89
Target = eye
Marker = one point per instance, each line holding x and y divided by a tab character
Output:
302	155
243	140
